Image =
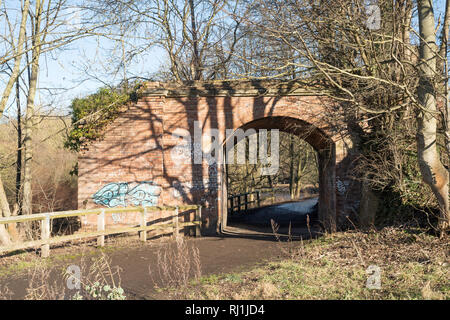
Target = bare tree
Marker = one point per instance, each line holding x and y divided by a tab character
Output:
37	38
30	34
433	172
371	64
198	36
15	53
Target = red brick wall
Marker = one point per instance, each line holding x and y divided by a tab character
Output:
137	147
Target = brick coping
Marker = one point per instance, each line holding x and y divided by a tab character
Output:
239	88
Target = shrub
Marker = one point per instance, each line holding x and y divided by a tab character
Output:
90	115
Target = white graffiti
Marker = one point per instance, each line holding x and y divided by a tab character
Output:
117	217
342	186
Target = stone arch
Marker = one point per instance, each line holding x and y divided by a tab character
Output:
319	140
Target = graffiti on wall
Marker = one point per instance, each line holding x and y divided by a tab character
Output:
125	194
342	186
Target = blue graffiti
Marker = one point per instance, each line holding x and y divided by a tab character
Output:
144	194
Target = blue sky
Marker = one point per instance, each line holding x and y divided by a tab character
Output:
63	73
63	69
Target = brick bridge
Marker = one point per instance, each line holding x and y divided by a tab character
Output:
135	163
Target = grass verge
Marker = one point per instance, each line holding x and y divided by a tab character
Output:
413	265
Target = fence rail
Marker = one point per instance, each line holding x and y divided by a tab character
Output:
243	201
45	218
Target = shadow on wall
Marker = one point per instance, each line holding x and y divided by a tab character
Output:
138	146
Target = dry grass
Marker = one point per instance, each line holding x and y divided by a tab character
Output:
47	278
5	292
413	266
178	263
43	286
99	279
20	263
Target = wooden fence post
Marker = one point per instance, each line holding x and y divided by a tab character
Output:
101	227
45	219
176	229
143	233
258	198
239	203
233	204
198	219
45	236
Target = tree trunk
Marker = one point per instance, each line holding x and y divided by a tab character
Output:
196	65
29	120
19	52
10	233
247	171
19	149
291	168
298	179
433	172
5	212
271	186
443	67
4	236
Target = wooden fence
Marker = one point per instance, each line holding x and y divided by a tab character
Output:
46	240
239	202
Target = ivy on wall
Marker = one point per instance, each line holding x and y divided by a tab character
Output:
91	114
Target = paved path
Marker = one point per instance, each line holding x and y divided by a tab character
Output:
294	212
246	242
219	254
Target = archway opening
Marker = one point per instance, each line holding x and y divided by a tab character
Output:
297	191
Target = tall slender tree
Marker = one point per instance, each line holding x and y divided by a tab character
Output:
433	172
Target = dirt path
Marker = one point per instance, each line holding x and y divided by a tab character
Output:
219	254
